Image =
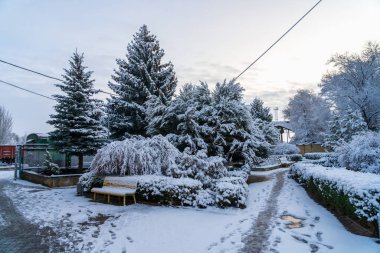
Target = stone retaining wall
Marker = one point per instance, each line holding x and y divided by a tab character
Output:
51	181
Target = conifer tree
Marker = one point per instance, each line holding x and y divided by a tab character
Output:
259	111
139	77
77	117
50	168
343	127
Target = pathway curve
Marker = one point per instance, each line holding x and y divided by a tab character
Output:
19	235
256	239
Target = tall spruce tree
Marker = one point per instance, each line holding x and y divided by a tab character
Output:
138	77
77	119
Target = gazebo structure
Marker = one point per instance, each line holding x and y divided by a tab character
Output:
286	132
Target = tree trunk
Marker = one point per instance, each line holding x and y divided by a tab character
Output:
80	163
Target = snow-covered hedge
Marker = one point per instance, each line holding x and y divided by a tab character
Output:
316	156
362	153
225	192
168	190
353	193
230	191
285	149
136	156
294	157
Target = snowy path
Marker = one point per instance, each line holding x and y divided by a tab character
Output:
17	234
257	237
86	226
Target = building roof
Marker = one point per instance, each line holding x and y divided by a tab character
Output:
283	124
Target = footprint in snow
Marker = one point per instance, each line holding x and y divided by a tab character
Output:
129	239
319	236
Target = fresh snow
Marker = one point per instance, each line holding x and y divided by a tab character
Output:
144	228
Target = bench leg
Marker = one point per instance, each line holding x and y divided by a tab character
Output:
134	198
124	201
108	198
94	196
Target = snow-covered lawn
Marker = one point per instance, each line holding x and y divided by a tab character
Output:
87	225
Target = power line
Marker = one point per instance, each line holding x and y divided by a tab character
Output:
44	75
30	91
269	48
35	72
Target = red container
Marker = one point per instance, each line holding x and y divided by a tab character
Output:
7	153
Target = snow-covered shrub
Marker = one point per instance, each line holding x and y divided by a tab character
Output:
332	160
49	168
136	156
200	167
168	190
285	149
238	173
343	127
230	191
89	180
353	193
316	156
294	157
362	153
205	198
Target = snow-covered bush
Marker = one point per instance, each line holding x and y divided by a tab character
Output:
168	190
200	167
169	176
230	191
285	149
136	156
49	168
294	157
343	127
353	193
89	180
316	156
362	153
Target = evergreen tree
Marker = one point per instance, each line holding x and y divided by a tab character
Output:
77	119
50	168
138	77
343	127
259	111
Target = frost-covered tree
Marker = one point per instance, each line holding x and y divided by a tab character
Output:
216	123
354	83
263	118
50	168
343	127
138	77
308	114
77	117
259	111
6	124
362	153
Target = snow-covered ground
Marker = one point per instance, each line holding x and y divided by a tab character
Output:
90	226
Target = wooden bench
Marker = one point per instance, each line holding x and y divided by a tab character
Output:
117	186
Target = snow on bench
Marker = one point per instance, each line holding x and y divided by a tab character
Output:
117	186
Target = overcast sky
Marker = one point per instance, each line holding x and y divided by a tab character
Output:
206	40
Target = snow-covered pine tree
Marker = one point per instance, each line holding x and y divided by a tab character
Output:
343	127
138	77
259	111
263	120
234	134
50	168
77	119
